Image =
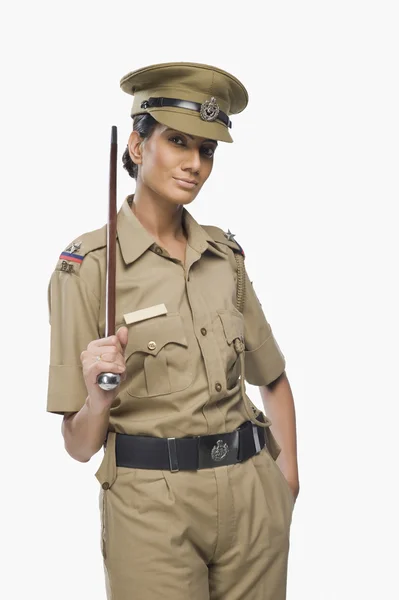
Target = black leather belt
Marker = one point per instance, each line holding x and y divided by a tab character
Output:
189	453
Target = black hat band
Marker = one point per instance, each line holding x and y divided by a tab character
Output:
209	110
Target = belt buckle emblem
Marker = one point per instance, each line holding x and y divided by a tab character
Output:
219	451
209	110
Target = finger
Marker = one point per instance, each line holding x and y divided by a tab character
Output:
107	353
117	360
94	370
123	335
111	340
111	356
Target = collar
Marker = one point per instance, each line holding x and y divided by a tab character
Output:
199	239
134	239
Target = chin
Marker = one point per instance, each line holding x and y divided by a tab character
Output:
181	196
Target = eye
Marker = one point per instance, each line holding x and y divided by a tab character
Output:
177	138
208	151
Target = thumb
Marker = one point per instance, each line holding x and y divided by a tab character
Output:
122	334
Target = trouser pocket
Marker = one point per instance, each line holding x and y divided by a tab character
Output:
106	475
280	476
278	503
103	521
106	472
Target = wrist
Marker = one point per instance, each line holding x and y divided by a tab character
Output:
97	408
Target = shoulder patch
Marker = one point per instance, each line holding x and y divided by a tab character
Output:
73	255
226	238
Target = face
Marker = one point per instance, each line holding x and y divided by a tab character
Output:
172	164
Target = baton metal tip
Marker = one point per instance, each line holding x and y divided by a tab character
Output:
108	381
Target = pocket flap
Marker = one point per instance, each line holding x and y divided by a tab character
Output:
152	335
233	325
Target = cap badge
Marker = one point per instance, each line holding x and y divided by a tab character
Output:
209	110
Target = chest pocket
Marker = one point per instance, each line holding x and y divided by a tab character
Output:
232	322
157	357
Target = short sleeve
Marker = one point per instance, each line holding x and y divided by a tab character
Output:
74	315
264	361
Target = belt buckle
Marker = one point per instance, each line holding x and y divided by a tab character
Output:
172	452
255	434
214	450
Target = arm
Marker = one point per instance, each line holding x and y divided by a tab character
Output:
265	368
279	406
84	432
74	312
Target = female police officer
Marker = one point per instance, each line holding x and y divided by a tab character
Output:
193	504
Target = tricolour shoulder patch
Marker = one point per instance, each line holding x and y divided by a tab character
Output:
77	258
72	257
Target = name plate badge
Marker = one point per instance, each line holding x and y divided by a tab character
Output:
145	313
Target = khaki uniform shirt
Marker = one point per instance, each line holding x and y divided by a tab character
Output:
182	368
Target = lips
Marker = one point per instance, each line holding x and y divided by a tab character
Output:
186	180
185	184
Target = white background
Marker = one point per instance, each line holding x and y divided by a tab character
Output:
310	188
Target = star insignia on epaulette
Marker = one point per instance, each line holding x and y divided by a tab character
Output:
230	236
73	247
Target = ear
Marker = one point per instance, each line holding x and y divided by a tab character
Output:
135	147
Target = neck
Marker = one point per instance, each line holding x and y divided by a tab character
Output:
160	218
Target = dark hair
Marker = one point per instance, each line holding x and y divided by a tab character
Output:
145	125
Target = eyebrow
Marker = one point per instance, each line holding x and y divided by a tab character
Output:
190	136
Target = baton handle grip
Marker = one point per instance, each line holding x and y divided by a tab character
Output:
108	381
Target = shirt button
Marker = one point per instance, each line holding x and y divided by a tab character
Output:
218	387
158	250
204	331
151	345
105	485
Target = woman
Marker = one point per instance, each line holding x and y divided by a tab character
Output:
193	504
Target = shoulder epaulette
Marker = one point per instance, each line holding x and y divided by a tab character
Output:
72	257
222	237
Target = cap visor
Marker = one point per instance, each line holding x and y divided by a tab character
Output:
191	123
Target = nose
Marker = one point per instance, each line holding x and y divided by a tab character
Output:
192	161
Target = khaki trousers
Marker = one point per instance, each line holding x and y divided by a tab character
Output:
212	534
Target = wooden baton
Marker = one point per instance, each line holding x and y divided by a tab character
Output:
109	381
